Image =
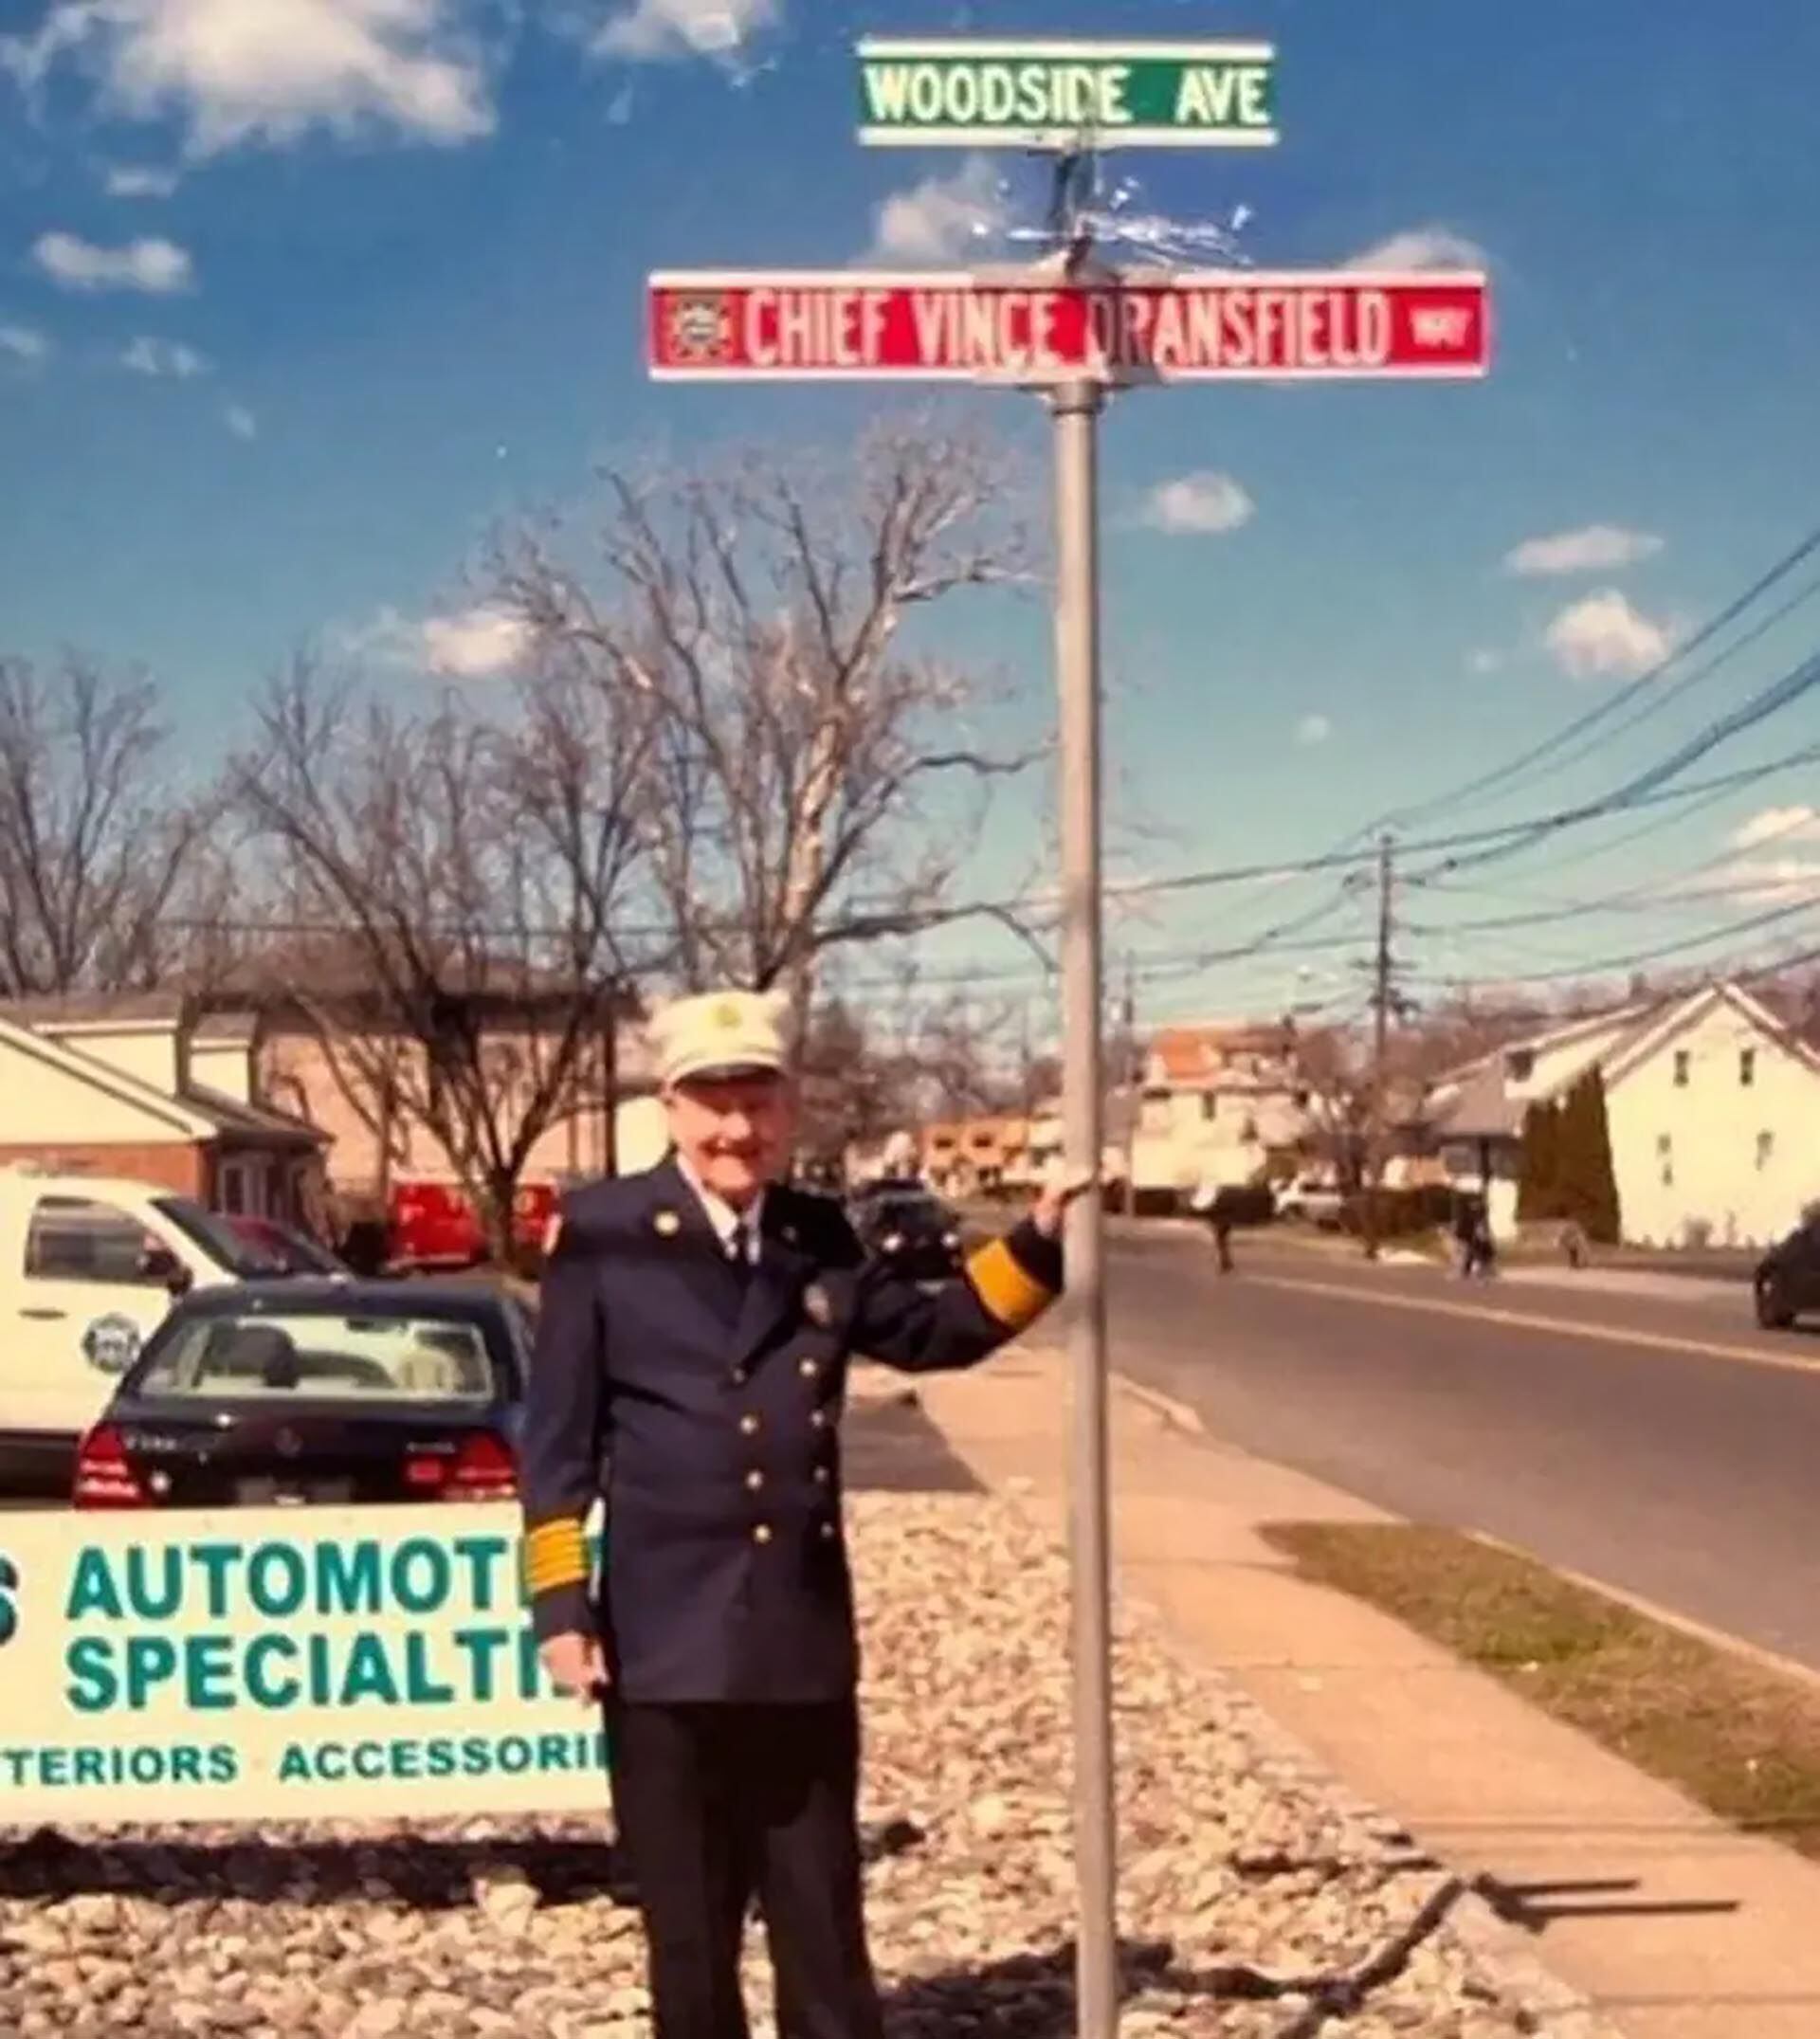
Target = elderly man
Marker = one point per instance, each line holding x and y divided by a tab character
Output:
691	1362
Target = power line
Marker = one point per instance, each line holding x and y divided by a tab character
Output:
1642	684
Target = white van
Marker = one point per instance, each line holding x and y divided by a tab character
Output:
88	1267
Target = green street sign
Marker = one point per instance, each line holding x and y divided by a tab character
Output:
916	93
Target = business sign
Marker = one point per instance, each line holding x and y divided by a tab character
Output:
1228	324
278	1664
1060	95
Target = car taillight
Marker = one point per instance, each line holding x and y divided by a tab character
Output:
104	1475
482	1469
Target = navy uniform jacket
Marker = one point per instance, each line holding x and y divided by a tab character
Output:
704	1405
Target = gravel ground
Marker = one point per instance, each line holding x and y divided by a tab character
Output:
1257	1902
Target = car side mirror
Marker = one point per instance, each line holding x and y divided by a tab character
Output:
162	1265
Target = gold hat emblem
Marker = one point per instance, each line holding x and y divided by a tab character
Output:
666	1224
726	1015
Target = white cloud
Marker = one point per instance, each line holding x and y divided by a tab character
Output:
1761	881
24	344
1422	248
150	263
1205	504
1603	637
239	420
1484	661
125	181
942	219
1593	548
1778	825
1314	728
238	71
473	643
657	30
483	641
160	357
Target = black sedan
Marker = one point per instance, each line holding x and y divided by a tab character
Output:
1788	1277
914	1232
277	1392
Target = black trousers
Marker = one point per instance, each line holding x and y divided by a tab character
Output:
718	1805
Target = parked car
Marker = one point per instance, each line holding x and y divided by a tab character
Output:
286	1249
908	1225
1787	1282
1312	1198
89	1266
435	1225
342	1392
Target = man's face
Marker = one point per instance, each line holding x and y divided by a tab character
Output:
735	1132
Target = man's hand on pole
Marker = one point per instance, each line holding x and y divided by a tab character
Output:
1056	1195
576	1665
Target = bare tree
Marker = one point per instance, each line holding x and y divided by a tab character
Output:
92	846
474	867
807	765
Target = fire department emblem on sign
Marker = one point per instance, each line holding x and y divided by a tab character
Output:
702	327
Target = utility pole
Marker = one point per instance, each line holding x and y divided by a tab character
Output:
1132	1072
1380	1038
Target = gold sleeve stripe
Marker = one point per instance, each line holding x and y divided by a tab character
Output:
1007	1290
555	1554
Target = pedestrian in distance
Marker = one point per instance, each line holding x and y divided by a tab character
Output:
1214	1202
690	1368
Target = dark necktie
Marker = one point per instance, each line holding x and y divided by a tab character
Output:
740	1250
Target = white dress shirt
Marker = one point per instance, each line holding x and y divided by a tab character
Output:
724	1218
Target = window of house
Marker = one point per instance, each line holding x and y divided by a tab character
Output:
1520	1065
1683	1064
1765	1149
1210	1105
74	1239
1665	1155
1747	1066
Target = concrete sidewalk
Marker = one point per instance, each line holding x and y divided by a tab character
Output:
1673	1925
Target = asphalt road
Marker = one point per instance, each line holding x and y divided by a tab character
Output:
1663	1445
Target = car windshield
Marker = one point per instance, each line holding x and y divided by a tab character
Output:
217	1237
263	1355
909	1210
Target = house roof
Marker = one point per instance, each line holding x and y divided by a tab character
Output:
184	1117
252	1121
216	1028
1190	1054
1481	1108
85	1009
1474	1100
197	1112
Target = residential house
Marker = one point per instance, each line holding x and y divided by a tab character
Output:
1212	1103
1713	1107
145	1087
977	1156
324	1064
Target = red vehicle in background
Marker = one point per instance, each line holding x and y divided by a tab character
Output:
434	1223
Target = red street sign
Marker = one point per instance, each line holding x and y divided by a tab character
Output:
1219	325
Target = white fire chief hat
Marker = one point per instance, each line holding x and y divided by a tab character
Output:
721	1033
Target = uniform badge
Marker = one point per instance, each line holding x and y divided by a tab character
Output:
666	1225
816	1305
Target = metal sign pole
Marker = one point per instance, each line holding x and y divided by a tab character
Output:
1076	408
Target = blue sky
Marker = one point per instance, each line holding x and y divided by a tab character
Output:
297	296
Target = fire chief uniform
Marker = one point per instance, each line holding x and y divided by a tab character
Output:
698	1383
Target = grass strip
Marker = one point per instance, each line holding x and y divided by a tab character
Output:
1739	1737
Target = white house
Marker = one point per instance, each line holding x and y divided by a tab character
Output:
1713	1107
1214	1102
